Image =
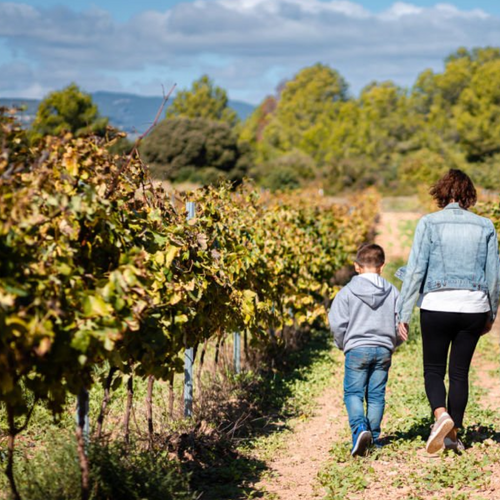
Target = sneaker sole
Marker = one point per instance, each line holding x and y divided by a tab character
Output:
364	440
437	442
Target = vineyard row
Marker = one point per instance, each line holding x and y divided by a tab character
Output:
97	265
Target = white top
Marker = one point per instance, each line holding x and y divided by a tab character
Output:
460	301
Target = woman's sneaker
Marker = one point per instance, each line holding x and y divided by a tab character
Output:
361	440
440	429
455	445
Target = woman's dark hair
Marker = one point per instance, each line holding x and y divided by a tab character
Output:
454	186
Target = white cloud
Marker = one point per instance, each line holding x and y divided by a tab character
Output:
247	45
451	11
400	9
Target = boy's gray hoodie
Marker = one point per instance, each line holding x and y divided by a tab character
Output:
363	314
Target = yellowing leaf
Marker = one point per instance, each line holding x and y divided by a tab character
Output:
70	162
172	253
181	318
94	305
176	297
159	258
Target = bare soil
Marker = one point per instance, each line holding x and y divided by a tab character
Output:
293	472
394	233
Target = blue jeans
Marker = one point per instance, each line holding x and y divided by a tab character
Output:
365	378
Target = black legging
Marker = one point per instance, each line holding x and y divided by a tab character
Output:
439	330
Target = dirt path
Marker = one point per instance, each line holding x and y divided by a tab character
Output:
293	474
294	471
395	233
487	370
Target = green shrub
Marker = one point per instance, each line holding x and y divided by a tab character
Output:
352	173
290	171
121	474
181	149
116	473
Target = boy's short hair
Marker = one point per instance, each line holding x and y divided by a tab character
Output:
370	255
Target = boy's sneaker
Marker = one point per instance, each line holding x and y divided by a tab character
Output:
361	440
450	444
440	429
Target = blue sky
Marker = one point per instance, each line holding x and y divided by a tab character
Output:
246	46
123	10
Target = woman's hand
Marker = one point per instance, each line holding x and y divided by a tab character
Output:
403	331
487	327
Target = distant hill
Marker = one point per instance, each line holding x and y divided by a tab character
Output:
128	112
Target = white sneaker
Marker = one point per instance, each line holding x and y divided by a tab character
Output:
450	444
440	429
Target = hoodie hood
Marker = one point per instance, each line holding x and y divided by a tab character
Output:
372	294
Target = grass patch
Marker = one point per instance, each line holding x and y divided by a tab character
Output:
390	269
406	231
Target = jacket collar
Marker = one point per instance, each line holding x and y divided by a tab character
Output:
453	205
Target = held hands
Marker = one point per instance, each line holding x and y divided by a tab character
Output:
403	331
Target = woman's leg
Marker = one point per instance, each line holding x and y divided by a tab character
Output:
437	335
462	350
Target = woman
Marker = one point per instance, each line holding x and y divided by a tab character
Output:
454	267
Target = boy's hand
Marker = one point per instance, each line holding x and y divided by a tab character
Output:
403	330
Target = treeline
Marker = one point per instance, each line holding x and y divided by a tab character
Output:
101	272
388	136
313	131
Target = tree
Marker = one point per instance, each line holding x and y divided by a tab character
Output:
477	114
310	94
306	107
68	110
303	114
385	122
459	105
252	129
195	149
204	100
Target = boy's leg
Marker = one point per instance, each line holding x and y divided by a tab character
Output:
355	382
375	394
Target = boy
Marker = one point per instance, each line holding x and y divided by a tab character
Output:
363	321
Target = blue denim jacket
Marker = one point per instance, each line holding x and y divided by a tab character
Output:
452	249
